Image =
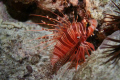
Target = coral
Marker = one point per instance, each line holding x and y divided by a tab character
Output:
57	4
98	8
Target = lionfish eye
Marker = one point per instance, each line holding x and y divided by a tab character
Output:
88	24
78	37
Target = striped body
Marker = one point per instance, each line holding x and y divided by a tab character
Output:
72	45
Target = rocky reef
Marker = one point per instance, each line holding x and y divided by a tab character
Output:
21	60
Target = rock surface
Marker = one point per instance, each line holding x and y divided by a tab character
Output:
21	60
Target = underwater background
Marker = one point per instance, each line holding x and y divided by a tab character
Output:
21	57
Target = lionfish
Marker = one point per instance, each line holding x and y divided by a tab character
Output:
70	38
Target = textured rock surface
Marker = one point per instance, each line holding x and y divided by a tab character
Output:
98	8
17	53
